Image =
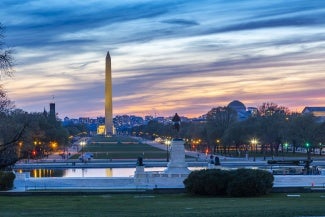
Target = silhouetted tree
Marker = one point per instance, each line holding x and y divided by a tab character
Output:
6	59
218	121
304	129
12	128
9	134
270	108
273	126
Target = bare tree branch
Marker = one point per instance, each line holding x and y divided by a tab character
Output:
16	138
6	58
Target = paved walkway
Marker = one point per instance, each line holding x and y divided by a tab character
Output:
59	155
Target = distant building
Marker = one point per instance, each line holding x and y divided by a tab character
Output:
318	112
240	108
237	106
52	114
148	118
100	120
124	123
101	130
252	110
160	119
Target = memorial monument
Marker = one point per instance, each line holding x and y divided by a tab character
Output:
108	97
177	164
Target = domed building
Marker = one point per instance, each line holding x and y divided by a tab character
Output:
240	108
237	105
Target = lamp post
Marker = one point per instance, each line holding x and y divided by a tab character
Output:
82	144
307	165
254	142
218	142
167	149
285	146
320	148
20	147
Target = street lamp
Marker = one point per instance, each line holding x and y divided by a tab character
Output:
82	144
20	143
167	151
308	158
254	142
284	146
218	142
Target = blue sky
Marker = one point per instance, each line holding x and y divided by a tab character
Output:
167	56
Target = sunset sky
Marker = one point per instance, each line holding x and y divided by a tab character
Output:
168	56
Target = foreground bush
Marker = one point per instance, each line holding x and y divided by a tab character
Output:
6	180
238	183
249	182
207	182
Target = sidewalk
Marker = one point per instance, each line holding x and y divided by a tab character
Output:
63	156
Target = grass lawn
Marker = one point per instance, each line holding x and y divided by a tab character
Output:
112	139
275	205
124	151
121	148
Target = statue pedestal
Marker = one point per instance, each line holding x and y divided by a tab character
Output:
139	170
177	164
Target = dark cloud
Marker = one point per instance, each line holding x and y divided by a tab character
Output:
296	21
46	23
272	9
181	22
54	21
50	22
82	65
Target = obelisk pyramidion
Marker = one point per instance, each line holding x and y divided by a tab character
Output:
108	97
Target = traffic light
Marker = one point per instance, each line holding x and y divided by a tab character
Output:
307	145
286	145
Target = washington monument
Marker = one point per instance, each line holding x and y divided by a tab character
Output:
108	97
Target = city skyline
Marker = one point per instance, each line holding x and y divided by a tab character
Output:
167	56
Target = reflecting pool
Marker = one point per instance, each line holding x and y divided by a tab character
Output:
90	172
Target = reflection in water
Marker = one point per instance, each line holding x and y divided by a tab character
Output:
88	172
109	172
40	173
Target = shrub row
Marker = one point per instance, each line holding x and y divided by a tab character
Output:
6	180
236	183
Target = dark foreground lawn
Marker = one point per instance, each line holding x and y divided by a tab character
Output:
275	205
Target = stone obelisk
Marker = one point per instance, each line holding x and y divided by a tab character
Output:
108	97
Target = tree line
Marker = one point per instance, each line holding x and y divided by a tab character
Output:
271	129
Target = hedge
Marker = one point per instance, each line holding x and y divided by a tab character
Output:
237	183
6	180
207	182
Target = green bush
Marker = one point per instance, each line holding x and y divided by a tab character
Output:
249	183
237	183
207	182
6	180
194	182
